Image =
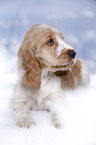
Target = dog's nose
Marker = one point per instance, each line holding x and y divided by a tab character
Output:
72	53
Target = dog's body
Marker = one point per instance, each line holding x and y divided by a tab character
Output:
46	67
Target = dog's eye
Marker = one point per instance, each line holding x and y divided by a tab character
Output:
50	42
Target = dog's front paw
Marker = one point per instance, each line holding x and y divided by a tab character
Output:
25	123
57	121
57	124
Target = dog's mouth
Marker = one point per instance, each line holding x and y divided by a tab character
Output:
63	66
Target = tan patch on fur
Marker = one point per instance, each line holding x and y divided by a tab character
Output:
64	56
31	64
71	79
48	53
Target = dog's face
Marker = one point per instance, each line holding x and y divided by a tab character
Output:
50	51
54	53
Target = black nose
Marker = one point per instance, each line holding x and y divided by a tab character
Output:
72	53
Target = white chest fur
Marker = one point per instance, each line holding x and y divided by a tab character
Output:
50	86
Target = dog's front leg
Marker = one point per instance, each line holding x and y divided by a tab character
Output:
21	107
22	114
56	108
56	120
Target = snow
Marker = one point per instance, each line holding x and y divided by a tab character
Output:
79	118
76	19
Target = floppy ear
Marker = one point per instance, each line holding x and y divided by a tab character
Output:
71	79
31	64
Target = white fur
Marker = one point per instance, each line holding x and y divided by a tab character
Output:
27	97
61	45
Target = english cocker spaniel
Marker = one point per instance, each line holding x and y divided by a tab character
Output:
46	67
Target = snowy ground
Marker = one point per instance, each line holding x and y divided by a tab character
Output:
76	19
79	118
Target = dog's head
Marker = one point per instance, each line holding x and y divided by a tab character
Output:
44	48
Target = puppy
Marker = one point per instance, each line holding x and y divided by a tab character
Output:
46	67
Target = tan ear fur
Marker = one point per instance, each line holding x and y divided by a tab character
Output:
71	79
31	64
67	79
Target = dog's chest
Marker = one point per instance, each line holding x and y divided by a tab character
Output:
50	85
